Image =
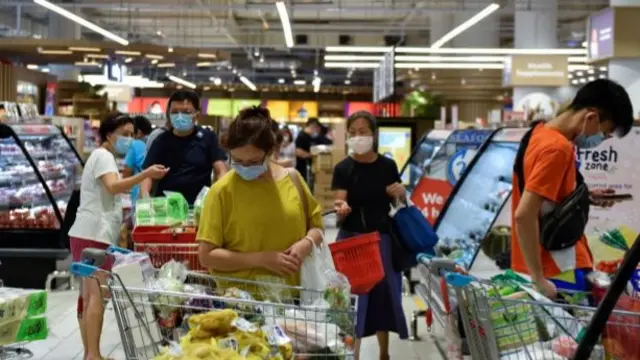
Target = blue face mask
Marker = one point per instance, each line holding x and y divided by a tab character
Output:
182	122
249	173
589	142
122	145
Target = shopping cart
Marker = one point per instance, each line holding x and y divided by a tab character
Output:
141	313
526	325
166	243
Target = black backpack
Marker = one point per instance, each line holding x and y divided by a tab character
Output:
562	227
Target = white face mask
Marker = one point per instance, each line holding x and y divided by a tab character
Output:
360	144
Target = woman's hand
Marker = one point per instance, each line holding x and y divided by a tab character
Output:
300	250
396	190
342	208
280	263
156	172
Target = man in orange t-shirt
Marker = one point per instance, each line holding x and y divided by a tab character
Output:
600	110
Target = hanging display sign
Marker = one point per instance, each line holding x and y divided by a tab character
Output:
239	104
219	107
279	110
612	33
539	70
301	111
395	143
600	35
612	165
355	106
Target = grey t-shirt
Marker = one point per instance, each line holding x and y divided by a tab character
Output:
154	134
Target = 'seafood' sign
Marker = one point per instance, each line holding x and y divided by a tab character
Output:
539	70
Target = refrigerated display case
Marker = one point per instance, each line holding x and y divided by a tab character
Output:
39	171
436	166
481	195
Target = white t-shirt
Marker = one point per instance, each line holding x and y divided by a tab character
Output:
99	215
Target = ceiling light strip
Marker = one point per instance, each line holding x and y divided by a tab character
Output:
128	53
420	58
458	51
55	52
207	56
79	20
372	65
286	24
181	81
248	82
465	25
84	49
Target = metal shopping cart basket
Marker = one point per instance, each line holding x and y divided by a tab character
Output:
526	325
290	329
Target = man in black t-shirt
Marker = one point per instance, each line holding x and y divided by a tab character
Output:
190	152
304	141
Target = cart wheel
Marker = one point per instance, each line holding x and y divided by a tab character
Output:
11	353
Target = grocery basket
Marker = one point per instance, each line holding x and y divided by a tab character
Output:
312	332
526	325
165	243
358	258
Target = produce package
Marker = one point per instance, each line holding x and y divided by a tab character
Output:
223	334
197	205
170	279
24	330
17	304
170	209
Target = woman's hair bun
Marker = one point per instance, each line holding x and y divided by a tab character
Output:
253	112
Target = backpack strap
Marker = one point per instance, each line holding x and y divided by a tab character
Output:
295	178
518	165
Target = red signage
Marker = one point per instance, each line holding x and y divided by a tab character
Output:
430	195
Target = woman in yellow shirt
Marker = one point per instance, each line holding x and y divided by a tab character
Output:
253	221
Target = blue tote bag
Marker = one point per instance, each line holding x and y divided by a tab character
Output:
415	232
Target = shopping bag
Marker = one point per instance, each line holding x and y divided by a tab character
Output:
415	232
315	272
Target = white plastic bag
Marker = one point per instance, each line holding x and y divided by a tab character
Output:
315	272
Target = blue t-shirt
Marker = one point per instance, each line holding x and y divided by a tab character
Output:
134	161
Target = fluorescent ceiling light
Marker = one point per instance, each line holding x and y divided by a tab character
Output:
167	65
128	60
129	80
460	51
32	67
281	81
248	82
85	63
207	56
154	57
350	65
217	81
46	70
353	57
299	82
181	81
54	52
578	67
97	56
203	64
359	49
154	61
449	66
84	49
465	25
347	82
89	25
316	84
286	24
416	58
128	53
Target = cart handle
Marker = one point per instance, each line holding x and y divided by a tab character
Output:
93	258
436	265
459	280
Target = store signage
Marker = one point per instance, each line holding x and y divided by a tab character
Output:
539	70
279	110
600	35
301	111
430	195
612	165
219	107
384	79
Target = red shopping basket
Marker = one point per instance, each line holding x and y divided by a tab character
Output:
358	258
164	244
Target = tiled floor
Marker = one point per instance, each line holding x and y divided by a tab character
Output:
64	341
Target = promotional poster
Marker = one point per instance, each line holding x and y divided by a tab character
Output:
613	165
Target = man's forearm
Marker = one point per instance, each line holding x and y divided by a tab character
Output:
303	154
527	229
